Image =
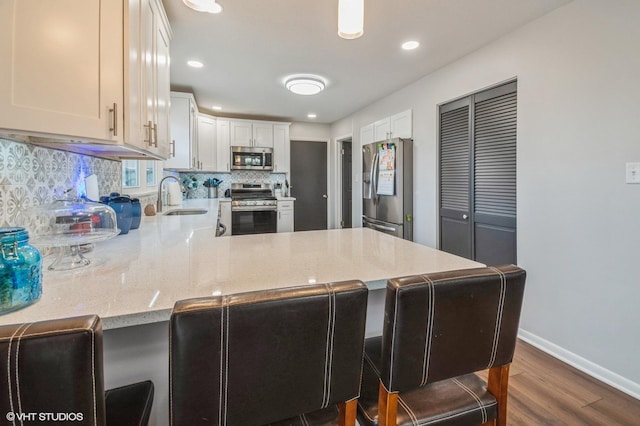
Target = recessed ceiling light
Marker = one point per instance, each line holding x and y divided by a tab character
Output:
305	85
209	6
311	116
216	107
410	45
195	64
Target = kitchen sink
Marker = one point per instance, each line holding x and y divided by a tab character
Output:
183	212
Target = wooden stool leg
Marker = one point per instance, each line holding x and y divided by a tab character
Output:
387	407
498	386
347	413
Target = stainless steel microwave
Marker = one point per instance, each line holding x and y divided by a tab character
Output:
251	158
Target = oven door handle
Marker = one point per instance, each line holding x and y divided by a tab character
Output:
253	208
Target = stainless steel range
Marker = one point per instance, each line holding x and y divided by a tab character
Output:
253	208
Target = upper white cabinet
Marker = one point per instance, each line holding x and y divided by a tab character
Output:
86	71
382	129
401	125
251	133
184	132
366	134
223	148
281	148
207	143
396	126
62	69
147	83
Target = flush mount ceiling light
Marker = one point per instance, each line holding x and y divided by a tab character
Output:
350	18
311	116
410	45
209	6
305	85
195	64
217	108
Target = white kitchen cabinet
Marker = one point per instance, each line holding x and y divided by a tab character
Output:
206	143
225	216
366	134
62	71
223	145
83	72
397	126
251	133
184	132
147	83
281	148
285	216
401	125
381	129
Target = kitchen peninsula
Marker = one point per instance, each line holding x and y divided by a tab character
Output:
135	279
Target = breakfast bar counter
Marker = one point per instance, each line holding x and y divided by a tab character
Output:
136	278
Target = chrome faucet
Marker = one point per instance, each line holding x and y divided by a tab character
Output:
159	203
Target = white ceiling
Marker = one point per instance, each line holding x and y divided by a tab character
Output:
250	47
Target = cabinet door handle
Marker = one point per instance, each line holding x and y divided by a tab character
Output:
155	135
194	163
149	126
114	119
173	148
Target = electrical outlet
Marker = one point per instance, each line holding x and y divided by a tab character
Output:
633	173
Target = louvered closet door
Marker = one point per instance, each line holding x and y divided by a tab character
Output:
477	163
455	167
494	195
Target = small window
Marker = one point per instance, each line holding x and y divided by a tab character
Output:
139	176
151	173
130	174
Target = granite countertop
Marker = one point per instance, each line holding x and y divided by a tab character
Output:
137	278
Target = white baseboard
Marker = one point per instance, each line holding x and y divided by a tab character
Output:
594	370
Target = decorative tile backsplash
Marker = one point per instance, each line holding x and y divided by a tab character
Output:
239	176
31	175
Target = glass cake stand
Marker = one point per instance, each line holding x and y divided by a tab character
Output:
70	227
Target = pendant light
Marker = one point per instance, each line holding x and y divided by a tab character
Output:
209	6
350	18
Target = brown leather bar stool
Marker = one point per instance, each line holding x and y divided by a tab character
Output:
53	375
260	357
439	329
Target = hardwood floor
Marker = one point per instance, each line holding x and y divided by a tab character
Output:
546	391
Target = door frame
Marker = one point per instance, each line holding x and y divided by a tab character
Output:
338	183
327	143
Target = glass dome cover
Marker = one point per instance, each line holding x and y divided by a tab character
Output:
72	222
71	225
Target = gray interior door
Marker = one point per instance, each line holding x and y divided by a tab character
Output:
478	176
494	148
309	184
347	189
455	170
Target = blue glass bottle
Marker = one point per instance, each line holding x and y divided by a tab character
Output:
20	270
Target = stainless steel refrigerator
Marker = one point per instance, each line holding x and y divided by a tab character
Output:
387	187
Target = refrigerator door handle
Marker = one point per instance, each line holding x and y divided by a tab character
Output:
371	177
374	179
383	228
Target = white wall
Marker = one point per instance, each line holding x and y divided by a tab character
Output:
309	131
578	72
